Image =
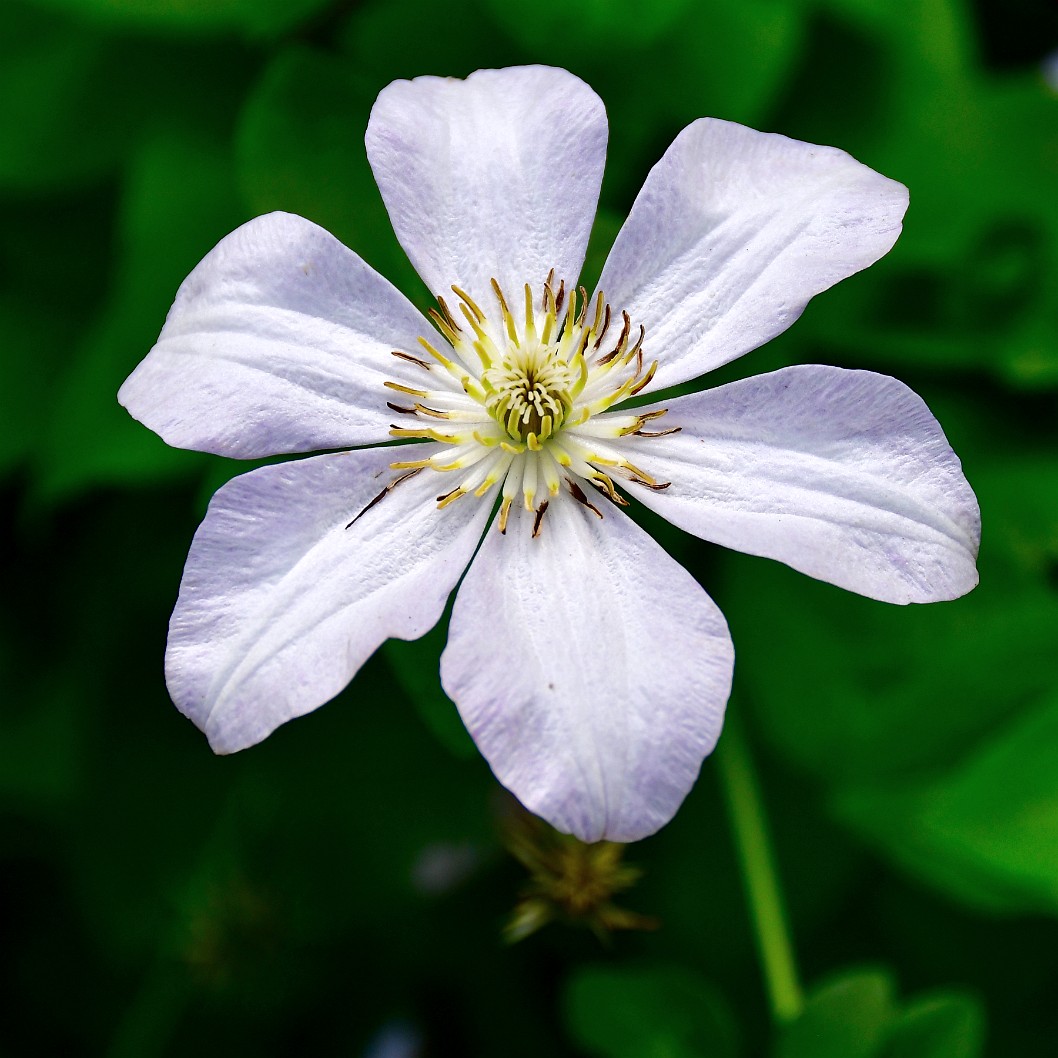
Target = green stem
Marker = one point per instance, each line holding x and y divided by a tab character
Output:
742	794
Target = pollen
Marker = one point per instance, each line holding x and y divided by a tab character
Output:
521	400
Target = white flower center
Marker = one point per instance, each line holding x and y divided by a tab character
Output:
523	403
531	392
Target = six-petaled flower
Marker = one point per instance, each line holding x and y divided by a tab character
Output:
591	669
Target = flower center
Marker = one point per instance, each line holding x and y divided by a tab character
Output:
523	401
530	393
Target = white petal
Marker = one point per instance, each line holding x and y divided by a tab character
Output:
591	670
496	176
733	232
281	603
279	341
843	475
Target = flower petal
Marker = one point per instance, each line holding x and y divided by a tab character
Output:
279	341
843	475
282	600
496	176
733	232
591	670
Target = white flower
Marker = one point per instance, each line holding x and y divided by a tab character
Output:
590	668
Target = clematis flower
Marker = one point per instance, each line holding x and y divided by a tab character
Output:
590	667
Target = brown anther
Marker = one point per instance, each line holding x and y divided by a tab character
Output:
605	327
599	303
636	474
499	294
657	433
505	510
582	346
444	326
641	477
539	520
411	359
447	313
389	488
471	318
578	495
648	415
606	487
547	297
639	341
410	390
432	412
398	408
469	302
645	380
401	431
445	498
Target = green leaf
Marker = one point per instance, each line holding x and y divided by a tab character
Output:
941	1025
854	691
725	58
855	1014
989	828
731	58
859	692
55	101
606	23
253	18
300	148
41	736
178	203
973	281
415	667
442	47
931	35
647	1012
35	340
1019	498
845	1017
47	300
603	233
894	710
74	100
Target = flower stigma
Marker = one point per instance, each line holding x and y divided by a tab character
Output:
524	403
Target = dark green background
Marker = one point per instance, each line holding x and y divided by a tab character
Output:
157	900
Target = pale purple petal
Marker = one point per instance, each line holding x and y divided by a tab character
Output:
843	475
496	176
282	600
590	668
279	341
733	232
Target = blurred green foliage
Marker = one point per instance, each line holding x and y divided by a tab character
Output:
855	1014
345	884
648	1011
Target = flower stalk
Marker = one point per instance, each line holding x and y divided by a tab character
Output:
745	807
